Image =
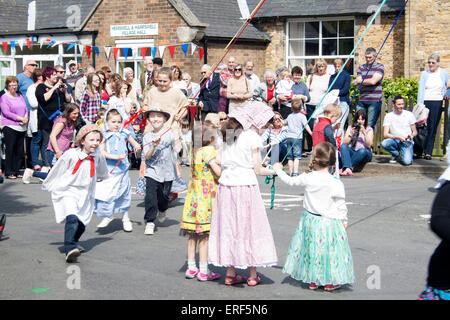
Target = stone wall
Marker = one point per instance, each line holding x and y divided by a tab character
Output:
426	32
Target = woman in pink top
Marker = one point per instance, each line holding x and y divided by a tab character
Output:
61	138
14	117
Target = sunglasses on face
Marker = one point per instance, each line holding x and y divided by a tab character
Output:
223	119
431	62
33	65
60	72
203	72
238	69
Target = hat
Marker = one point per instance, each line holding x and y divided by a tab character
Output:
213	118
84	131
256	113
158	61
71	62
157	109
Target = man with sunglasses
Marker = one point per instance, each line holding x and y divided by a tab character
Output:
61	73
25	80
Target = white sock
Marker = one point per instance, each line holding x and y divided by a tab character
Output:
192	265
204	267
125	216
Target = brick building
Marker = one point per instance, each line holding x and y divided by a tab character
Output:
284	32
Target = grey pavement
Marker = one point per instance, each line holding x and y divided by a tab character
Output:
388	232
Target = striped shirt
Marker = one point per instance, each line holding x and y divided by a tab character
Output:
90	106
375	92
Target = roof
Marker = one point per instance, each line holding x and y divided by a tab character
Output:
224	19
310	8
50	14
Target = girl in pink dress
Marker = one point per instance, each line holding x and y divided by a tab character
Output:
240	235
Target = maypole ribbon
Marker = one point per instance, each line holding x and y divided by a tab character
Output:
227	49
335	79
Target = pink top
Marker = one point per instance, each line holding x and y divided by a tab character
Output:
11	108
64	138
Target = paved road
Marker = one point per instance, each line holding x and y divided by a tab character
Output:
389	237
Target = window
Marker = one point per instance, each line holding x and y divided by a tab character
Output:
326	39
134	60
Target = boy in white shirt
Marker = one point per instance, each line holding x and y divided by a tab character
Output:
399	131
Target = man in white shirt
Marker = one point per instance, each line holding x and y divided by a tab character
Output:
399	131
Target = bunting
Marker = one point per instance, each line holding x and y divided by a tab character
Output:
184	47
107	52
171	50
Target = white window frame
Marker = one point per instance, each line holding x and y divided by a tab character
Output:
136	58
320	20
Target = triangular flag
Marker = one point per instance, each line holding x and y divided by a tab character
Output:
88	50
193	47
50	44
107	52
201	52
193	110
13	44
20	42
172	50
5	46
28	43
116	52
97	52
80	48
70	46
185	47
161	50
41	42
143	51
125	52
153	49
34	38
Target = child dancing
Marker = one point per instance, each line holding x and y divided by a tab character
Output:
319	253
72	183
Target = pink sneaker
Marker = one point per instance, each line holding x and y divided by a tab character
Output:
190	274
207	277
313	286
330	287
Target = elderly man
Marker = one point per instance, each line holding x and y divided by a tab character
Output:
74	74
208	98
25	80
80	86
399	131
225	75
252	77
371	89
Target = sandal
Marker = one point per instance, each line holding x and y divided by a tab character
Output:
237	279
11	177
256	280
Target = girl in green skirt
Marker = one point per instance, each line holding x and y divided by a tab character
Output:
319	253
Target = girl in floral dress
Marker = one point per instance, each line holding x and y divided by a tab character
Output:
319	253
199	203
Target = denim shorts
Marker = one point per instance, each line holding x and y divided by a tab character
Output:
296	151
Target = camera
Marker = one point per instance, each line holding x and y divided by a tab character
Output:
62	79
357	126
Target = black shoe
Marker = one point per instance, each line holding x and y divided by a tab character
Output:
427	157
1	179
2	224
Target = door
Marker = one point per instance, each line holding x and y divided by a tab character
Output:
6	69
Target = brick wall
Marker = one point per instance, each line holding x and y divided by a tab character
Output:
118	12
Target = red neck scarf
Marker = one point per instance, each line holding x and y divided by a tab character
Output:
78	164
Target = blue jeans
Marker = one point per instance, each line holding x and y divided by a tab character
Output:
372	109
39	144
351	158
294	148
50	156
396	147
277	153
73	230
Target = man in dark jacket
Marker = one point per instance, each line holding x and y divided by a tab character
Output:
209	94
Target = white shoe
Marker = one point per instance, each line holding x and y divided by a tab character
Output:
127	225
27	176
104	223
72	255
393	160
161	216
149	228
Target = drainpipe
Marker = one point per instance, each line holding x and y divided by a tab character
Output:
205	53
94	35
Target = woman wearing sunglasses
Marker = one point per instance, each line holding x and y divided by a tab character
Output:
239	89
432	91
